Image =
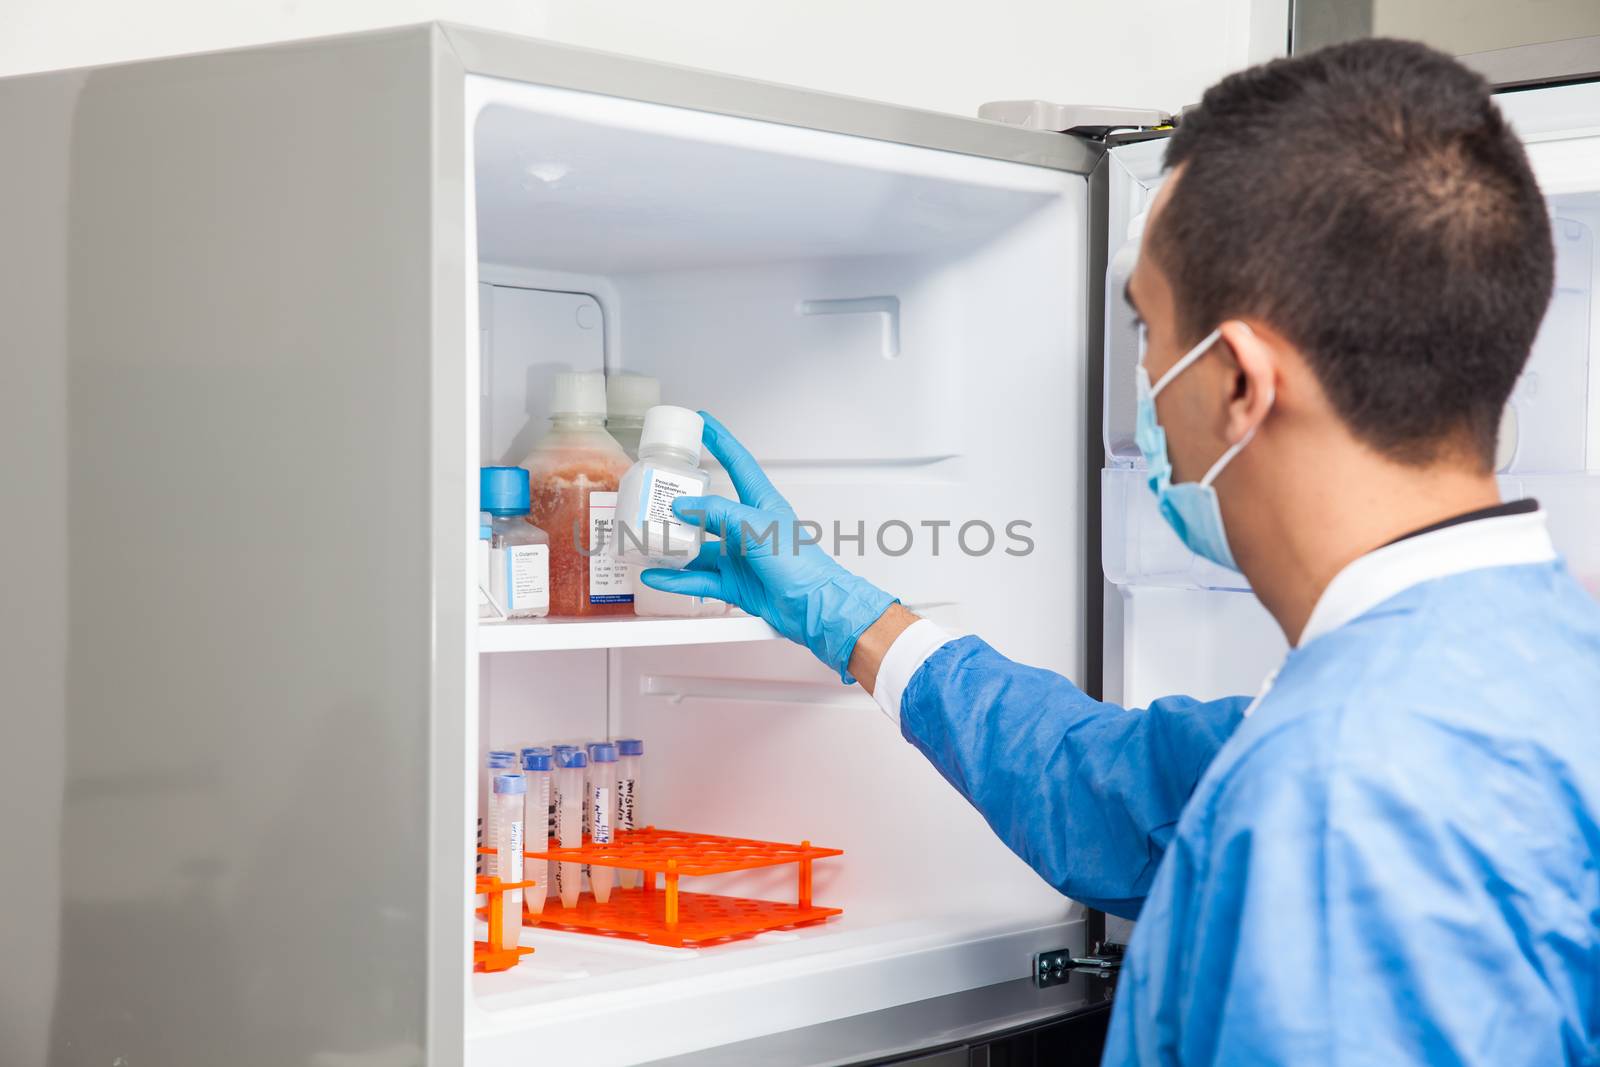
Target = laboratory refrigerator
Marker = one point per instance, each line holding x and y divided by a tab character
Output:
269	312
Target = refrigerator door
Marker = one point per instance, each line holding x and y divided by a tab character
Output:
223	667
1550	438
1174	622
1177	623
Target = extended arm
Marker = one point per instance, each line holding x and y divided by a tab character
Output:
1087	793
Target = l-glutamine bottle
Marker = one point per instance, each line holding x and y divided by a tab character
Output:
519	552
649	534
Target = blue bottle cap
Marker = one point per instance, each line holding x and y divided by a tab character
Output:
536	761
503	491
510	784
630	746
603	752
567	758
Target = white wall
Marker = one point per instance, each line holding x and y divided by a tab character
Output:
948	55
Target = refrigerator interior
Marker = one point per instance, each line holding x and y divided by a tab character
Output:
899	335
1550	447
1182	624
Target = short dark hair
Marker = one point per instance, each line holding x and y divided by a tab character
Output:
1370	203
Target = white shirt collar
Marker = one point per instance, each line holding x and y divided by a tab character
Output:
1501	541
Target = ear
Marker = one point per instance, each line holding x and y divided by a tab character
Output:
1255	379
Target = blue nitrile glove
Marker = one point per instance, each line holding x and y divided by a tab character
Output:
797	588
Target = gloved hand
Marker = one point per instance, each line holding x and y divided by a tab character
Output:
761	565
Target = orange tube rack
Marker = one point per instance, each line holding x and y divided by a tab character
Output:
489	955
679	918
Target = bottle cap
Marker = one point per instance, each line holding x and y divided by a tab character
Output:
630	746
629	396
485	530
603	752
673	427
503	490
579	393
510	783
569	758
536	761
535	748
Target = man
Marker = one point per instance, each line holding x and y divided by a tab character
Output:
1392	855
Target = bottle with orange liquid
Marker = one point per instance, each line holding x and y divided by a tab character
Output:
574	472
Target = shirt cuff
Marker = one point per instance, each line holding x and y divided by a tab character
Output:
905	657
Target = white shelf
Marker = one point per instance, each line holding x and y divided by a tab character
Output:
551	635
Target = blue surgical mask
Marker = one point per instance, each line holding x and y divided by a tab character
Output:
1191	509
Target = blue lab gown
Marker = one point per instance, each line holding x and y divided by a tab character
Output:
1394	859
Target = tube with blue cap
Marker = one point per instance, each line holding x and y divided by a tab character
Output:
630	757
602	813
568	787
536	768
500	761
507	805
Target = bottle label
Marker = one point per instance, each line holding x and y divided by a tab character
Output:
527	577
661	488
601	809
608	578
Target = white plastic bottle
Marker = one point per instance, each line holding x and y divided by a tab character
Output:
628	397
657	603
510	791
536	764
519	552
630	757
602	808
648	533
569	774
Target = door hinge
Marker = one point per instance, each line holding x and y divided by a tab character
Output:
1091	122
1051	968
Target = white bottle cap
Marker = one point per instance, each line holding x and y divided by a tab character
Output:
579	393
673	427
629	396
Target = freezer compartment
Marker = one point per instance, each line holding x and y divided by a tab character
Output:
898	335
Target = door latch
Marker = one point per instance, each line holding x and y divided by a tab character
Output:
1054	967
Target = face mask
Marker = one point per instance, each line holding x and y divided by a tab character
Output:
1191	509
